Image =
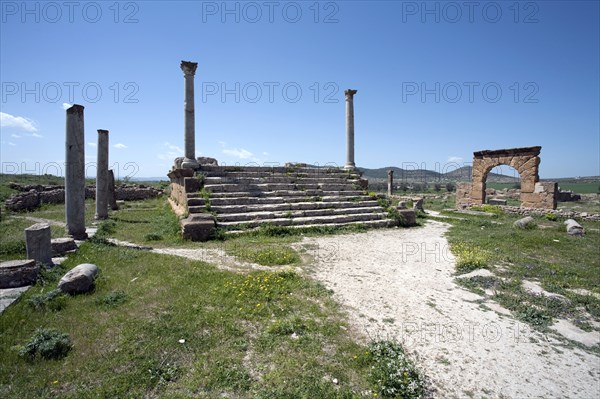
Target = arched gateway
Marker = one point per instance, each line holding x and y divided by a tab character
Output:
534	194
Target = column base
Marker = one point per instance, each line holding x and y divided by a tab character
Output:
350	166
188	163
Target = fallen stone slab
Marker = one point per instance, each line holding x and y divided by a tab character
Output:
10	295
61	246
18	273
80	279
524	222
574	228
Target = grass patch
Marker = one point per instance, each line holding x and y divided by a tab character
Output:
164	326
546	255
267	255
47	344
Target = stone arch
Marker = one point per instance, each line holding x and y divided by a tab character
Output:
525	161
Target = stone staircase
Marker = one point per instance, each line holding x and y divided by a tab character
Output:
298	196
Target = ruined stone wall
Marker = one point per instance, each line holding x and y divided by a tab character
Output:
32	196
463	195
183	181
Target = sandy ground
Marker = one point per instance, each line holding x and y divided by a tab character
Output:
398	284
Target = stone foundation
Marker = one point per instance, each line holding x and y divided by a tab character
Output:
32	196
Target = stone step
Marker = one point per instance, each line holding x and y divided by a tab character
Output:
294	206
280	200
282	193
319	220
278	179
367	223
264	215
266	174
262	187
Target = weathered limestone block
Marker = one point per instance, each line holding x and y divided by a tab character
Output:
418	204
79	279
574	228
37	242
401	205
363	184
409	217
18	273
61	246
463	195
198	227
191	184
524	222
496	201
207	161
24	201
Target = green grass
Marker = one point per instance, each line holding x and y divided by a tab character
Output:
546	254
580	188
162	326
13	225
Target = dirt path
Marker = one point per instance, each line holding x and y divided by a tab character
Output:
398	283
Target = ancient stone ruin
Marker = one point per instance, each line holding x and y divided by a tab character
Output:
237	198
534	194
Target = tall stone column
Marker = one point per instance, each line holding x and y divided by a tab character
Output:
350	128
189	70
390	181
75	173
102	176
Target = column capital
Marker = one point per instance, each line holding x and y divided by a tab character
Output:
188	67
350	93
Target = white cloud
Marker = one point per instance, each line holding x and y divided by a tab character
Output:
120	146
455	159
15	136
39	136
13	144
238	153
66	106
266	154
92	144
18	122
172	152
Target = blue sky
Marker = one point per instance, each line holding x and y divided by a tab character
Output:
436	81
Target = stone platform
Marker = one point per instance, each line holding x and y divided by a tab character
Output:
242	198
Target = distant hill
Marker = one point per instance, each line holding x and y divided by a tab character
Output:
461	174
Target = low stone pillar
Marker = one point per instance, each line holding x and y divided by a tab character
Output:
418	204
38	242
350	128
390	182
102	176
401	205
112	195
75	173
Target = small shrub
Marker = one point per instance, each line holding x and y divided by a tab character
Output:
392	373
47	343
551	216
153	237
113	299
469	257
52	300
269	256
